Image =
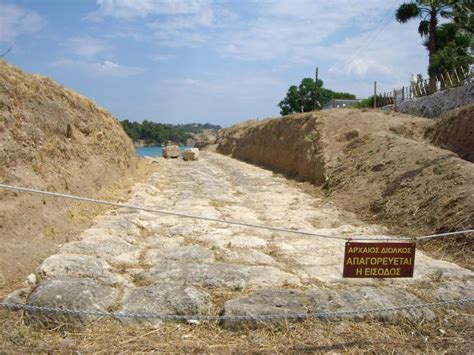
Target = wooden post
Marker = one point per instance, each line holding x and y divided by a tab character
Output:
403	93
395	99
375	94
449	77
457	76
443	82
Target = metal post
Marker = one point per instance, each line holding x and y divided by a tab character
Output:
375	94
403	93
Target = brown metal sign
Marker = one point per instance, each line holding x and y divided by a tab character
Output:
374	260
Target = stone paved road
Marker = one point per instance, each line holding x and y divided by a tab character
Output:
144	262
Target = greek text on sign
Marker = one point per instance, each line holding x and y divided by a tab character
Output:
379	259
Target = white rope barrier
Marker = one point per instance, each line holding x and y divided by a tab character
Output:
243	224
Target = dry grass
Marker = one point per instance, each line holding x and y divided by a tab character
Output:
457	249
83	213
451	333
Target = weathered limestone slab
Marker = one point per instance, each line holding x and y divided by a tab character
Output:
245	256
163	242
443	291
171	151
188	253
70	293
271	301
119	224
165	299
95	233
220	275
114	250
227	240
265	302
72	265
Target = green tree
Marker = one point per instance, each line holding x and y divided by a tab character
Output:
453	51
428	11
309	95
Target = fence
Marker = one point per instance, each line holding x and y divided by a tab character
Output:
424	87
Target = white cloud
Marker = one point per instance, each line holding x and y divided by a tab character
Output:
177	38
203	18
16	20
86	47
281	26
361	67
105	68
143	8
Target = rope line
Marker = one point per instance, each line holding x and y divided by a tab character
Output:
243	224
263	317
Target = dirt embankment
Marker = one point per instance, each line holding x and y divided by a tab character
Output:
455	132
290	145
52	139
379	165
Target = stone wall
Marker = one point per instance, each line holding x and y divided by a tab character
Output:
438	104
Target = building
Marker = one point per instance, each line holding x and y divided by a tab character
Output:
340	103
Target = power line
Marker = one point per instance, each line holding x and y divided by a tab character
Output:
384	21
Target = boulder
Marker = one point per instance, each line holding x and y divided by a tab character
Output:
171	151
164	299
78	266
191	154
295	302
69	293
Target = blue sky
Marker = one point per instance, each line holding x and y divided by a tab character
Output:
217	61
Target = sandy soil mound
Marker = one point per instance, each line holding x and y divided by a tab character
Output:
455	132
376	164
50	138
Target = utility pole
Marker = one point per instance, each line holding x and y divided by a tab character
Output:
315	88
375	94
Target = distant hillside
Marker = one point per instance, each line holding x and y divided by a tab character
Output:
152	133
199	127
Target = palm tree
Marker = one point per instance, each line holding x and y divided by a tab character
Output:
427	11
463	14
